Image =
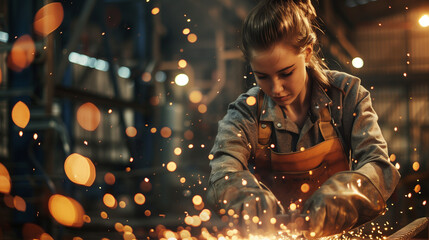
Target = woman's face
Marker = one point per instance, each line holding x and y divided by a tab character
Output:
281	72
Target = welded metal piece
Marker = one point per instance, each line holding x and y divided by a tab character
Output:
411	230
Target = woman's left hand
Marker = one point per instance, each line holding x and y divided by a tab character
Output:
345	200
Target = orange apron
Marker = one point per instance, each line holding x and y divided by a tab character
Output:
293	177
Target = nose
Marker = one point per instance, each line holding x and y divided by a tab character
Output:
277	87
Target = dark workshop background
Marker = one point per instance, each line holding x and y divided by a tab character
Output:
155	130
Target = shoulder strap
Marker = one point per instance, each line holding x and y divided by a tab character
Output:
264	128
325	125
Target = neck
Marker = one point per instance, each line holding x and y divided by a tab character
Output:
302	102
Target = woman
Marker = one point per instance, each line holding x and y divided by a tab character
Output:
311	141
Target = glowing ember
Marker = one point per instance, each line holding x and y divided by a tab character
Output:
139	199
48	18
109	200
192	38
251	101
195	96
80	169
22	53
292	207
392	157
20	114
66	211
197	200
131	131
5	183
19	203
210	156
171	166
88	116
109	178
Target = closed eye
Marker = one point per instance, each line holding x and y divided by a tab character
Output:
286	74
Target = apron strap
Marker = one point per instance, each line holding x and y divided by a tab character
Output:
264	128
325	125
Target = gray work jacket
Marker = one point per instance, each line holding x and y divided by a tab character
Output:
353	115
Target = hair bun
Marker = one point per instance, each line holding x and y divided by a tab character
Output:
307	7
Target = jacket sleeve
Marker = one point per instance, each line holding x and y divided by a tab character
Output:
236	139
351	198
368	147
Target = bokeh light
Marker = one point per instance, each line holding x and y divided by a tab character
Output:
192	38
416	166
182	63
177	151
155	11
109	200
202	108
195	96
22	53
146	77
5	183
424	21
197	200
357	62
171	166
88	116
48	18
181	79
251	101
139	199
165	132
20	114
80	169
66	210
305	187
19	203
131	131
104	215
31	231
205	215
186	31
109	178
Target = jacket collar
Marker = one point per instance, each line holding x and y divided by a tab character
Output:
271	112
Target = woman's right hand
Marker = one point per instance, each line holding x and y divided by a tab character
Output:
254	204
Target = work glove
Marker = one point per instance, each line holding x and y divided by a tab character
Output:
345	200
252	203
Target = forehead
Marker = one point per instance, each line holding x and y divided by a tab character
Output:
278	56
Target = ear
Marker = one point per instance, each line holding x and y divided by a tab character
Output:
308	51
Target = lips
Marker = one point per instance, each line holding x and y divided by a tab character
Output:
281	99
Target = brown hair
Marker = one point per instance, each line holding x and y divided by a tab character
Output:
292	21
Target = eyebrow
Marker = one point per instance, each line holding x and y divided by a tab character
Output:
281	70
